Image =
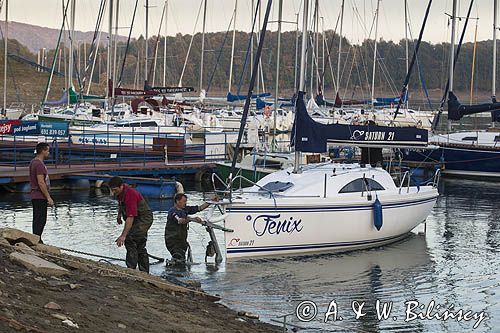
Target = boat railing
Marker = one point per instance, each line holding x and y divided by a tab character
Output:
435	179
406	175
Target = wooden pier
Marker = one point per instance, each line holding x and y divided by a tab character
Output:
9	175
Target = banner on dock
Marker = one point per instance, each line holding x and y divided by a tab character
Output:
53	128
23	128
19	128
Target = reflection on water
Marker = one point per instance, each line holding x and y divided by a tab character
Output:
455	262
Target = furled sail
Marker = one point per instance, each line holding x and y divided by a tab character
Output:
234	98
456	110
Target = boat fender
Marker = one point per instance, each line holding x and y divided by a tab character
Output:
217	219
377	214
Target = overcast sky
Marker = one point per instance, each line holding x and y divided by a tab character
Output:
182	16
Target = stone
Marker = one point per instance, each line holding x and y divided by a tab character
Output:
57	283
23	248
73	286
4	242
15	235
40	279
59	316
37	264
47	249
251	315
69	323
52	306
120	325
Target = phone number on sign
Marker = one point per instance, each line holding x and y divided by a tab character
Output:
46	131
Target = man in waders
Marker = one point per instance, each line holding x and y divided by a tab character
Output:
176	229
138	219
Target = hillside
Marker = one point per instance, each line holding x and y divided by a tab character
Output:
356	66
35	37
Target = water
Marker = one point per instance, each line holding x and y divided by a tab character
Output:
455	262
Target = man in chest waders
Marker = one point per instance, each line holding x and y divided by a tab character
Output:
176	229
138	219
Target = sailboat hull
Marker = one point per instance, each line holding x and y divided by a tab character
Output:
301	226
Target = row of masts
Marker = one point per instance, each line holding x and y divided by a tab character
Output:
112	56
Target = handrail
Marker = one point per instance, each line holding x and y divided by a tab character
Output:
403	181
436	178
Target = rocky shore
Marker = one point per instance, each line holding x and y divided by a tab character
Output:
44	290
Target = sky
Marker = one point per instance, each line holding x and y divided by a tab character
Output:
181	16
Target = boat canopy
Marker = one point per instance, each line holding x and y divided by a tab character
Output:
313	137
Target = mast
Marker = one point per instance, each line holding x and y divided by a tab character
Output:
251	39
146	47
340	44
493	81
108	61
375	55
452	51
473	68
302	69
5	39
313	42
165	8
406	49
280	13
232	46
296	53
114	55
71	34
203	43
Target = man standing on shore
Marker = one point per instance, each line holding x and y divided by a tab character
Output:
40	187
176	229
138	219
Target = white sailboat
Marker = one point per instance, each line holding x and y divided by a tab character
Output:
327	206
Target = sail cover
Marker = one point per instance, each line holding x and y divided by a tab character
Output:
456	110
313	137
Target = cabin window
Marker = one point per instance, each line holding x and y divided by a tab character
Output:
497	138
362	185
276	187
262	162
470	138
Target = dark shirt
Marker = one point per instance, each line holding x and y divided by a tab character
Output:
37	167
175	230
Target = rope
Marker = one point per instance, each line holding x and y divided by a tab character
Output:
110	258
18	325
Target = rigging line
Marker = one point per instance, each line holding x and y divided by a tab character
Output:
10	73
328	52
251	85
455	58
358	16
420	72
220	54
190	43
412	63
119	83
94	46
350	72
46	93
248	47
157	42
